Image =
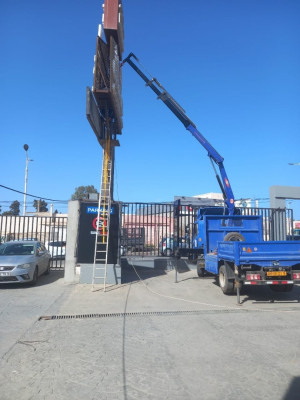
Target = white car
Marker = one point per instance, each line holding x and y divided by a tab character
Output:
23	262
57	249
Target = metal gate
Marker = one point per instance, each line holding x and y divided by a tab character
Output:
144	226
52	231
153	229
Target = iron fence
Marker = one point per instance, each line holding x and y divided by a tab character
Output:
143	227
150	229
52	231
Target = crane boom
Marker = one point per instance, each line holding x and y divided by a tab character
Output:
171	103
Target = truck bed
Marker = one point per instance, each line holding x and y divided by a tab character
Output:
263	254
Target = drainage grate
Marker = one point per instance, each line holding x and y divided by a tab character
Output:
146	314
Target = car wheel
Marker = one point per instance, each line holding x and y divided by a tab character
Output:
47	272
35	277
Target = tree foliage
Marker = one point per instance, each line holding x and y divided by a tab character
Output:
81	192
14	208
40	205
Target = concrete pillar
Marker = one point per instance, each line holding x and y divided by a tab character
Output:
71	247
278	196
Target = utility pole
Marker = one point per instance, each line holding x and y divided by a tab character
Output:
26	147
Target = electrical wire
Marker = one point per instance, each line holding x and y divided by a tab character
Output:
31	195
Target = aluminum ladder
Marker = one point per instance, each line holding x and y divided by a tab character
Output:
103	221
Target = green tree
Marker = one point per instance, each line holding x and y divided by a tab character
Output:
40	205
14	208
81	192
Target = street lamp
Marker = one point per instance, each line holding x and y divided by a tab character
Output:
293	163
26	147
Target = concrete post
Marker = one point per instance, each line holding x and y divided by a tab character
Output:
278	195
71	247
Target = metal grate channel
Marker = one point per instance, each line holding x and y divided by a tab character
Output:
133	314
159	313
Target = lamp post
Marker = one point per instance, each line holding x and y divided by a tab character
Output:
294	163
26	147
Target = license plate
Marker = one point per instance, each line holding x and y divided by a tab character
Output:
4	273
277	273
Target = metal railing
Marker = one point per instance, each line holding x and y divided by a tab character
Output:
145	227
52	231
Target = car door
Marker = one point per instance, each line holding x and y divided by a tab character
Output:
41	257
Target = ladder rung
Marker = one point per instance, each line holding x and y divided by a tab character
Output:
102	240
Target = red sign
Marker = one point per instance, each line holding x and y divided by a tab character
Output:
100	225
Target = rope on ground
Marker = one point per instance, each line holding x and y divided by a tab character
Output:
201	303
178	298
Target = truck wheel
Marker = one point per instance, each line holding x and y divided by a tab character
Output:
234	237
227	285
200	271
200	268
281	288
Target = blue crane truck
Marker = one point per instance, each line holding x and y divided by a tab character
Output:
227	244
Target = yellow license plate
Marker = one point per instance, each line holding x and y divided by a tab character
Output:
277	273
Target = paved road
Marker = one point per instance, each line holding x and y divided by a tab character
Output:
154	339
21	306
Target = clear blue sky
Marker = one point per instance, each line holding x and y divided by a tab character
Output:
233	65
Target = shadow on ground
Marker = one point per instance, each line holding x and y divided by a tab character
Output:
263	294
293	392
42	281
133	271
146	268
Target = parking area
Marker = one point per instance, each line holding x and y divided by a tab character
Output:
149	338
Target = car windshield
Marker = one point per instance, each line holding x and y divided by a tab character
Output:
16	249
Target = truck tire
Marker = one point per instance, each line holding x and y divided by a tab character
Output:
234	237
281	288
201	267
200	271
226	284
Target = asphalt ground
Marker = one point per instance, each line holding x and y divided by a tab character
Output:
148	339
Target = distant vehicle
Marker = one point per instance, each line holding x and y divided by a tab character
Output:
133	238
122	251
24	240
294	236
23	261
168	245
57	249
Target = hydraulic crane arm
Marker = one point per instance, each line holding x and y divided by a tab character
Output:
214	156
